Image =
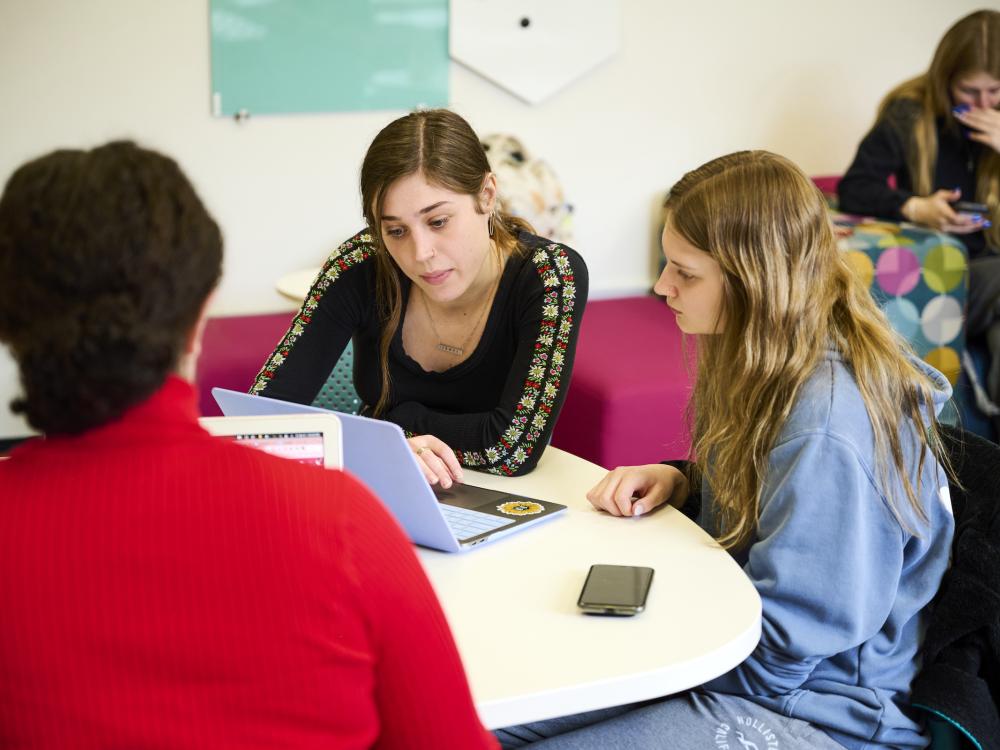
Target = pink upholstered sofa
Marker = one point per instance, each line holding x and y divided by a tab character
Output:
233	349
630	387
627	397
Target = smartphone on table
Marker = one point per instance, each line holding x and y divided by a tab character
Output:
615	590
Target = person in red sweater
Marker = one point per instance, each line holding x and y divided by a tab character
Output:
160	587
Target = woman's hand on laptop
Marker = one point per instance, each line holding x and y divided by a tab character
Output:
436	460
634	490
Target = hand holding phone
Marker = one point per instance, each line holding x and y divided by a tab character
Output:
942	211
978	213
615	590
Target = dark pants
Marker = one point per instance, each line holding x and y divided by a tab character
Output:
984	295
982	323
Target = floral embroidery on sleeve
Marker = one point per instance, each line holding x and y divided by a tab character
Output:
544	377
355	250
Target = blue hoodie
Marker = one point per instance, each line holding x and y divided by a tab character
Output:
843	583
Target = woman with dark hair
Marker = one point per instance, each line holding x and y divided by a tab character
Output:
464	322
939	135
160	586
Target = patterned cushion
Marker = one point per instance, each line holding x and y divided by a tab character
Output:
920	279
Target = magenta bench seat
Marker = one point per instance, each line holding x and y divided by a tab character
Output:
233	349
630	387
626	399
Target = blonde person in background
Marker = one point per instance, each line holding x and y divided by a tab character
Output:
939	135
817	459
464	322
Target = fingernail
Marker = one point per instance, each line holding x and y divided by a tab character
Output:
987	224
637	509
977	217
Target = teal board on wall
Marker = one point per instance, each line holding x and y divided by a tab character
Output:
287	56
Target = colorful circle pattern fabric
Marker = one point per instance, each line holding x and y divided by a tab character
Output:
920	278
897	271
944	268
904	316
862	265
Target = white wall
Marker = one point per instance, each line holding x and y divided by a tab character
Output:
691	82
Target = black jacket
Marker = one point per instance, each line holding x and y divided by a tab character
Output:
864	188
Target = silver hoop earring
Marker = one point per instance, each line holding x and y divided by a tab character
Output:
489	223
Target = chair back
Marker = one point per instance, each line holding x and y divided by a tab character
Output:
958	686
338	391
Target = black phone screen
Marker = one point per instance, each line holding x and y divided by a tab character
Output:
970	207
615	589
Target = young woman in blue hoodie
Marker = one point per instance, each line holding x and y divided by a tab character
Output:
816	450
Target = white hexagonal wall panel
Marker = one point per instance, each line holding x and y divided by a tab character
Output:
534	48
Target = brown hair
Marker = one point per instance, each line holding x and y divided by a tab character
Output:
443	147
767	226
106	258
970	46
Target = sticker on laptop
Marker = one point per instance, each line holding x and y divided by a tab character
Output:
520	508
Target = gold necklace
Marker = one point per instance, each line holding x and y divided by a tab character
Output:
458	351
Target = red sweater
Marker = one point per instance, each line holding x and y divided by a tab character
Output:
160	588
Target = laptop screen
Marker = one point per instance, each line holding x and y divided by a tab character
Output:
304	447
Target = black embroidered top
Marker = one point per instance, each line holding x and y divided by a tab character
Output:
497	408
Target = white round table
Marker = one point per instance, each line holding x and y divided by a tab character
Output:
296	285
529	652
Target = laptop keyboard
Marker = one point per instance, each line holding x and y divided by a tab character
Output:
465	523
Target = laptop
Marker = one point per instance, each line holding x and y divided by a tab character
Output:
313	439
449	520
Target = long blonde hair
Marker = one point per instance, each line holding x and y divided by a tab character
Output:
788	294
443	147
971	46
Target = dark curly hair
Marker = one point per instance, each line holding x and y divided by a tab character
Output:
106	258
